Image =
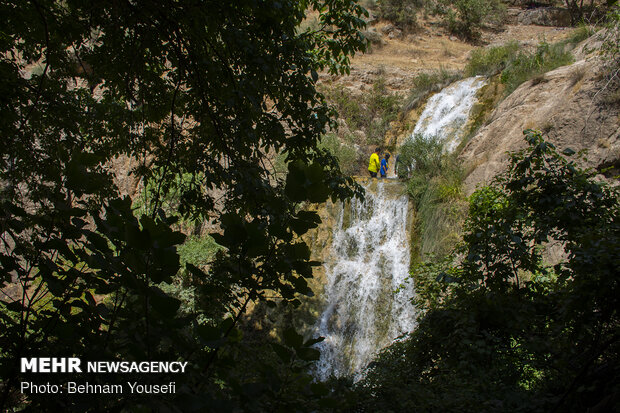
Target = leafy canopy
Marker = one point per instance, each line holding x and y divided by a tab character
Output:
197	95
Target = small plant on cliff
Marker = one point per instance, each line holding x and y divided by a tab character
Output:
492	60
204	91
344	152
517	66
528	65
434	185
370	111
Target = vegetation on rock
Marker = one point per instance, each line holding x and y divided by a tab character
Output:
503	330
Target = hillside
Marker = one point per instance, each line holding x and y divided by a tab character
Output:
584	117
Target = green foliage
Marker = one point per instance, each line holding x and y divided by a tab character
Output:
196	95
581	11
422	155
371	112
462	17
581	33
466	17
401	12
528	65
490	61
611	45
431	279
343	151
434	185
503	331
198	251
517	66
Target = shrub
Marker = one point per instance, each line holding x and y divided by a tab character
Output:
527	65
420	156
372	111
517	66
465	18
490	61
346	154
348	107
402	13
581	33
435	188
490	340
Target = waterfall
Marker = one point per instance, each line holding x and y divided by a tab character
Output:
367	305
447	112
367	301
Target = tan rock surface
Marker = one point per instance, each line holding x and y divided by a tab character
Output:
570	105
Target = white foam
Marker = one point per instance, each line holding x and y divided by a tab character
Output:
364	313
446	113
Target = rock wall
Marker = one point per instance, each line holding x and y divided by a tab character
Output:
571	105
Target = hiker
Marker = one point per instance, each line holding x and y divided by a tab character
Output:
374	165
384	165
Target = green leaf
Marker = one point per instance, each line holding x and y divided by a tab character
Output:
165	305
313	341
282	352
308	354
292	339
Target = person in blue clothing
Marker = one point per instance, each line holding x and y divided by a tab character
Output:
384	165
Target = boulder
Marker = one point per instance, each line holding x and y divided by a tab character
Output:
545	16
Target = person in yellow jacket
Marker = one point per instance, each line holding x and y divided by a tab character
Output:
374	165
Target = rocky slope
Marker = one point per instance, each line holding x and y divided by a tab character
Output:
399	57
571	105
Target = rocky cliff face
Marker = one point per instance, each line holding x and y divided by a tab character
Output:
573	107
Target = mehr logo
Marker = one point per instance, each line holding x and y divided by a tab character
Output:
51	365
72	365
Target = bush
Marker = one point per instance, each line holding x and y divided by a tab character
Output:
346	154
465	18
420	156
372	112
402	13
581	33
517	66
348	107
528	65
502	331
611	45
434	187
491	61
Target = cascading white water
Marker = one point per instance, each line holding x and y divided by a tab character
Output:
447	112
369	263
367	299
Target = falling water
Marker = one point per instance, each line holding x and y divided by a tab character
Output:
447	112
370	261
